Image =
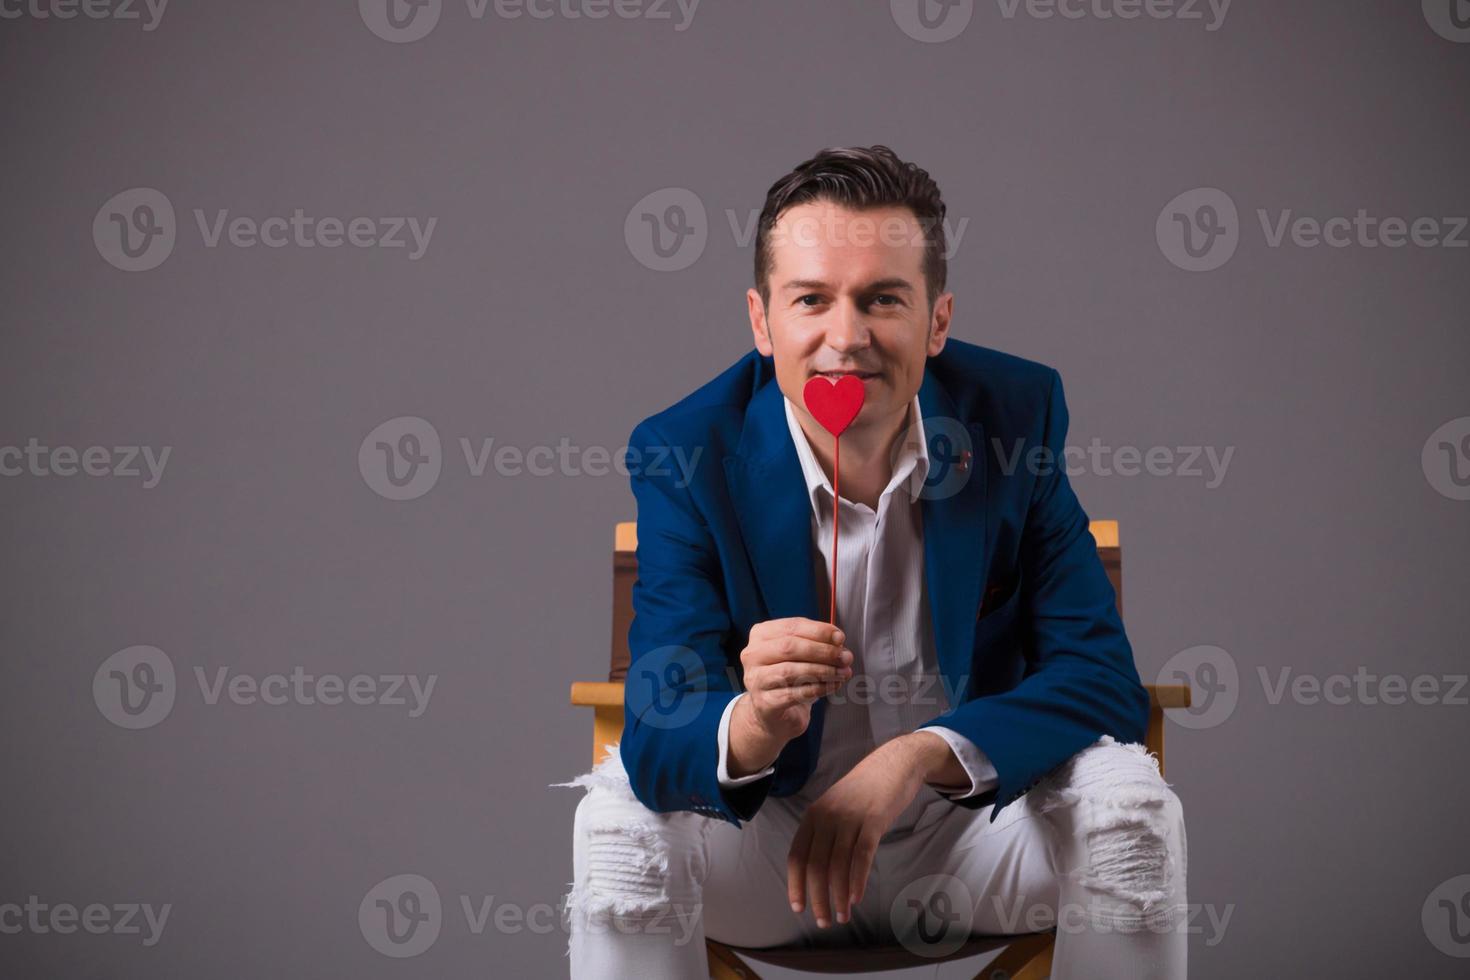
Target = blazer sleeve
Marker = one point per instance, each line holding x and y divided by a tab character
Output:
1080	681
679	679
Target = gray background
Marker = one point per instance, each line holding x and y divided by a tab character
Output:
1322	828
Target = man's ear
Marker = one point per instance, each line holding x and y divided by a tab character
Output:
939	321
759	329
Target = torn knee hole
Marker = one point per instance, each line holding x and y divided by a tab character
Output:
1123	824
627	873
1129	860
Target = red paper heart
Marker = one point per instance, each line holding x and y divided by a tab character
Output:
834	405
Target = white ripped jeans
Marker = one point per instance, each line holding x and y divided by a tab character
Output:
1096	850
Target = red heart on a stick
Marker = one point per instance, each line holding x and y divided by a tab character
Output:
834	405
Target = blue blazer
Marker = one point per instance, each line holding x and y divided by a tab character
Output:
1031	649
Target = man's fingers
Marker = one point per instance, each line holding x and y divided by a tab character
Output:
796	649
840	871
795	675
796	860
796	626
863	850
818	869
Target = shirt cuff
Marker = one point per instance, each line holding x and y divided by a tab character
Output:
723	772
983	775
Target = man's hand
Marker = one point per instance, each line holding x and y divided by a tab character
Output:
832	852
788	664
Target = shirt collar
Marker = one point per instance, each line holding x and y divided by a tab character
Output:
911	465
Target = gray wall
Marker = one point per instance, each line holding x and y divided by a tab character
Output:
1335	541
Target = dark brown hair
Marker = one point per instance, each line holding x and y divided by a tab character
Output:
858	178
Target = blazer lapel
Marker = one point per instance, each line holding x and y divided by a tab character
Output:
954	533
774	510
775	514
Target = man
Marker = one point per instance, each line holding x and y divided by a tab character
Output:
987	776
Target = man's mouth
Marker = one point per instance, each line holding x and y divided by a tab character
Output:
834	376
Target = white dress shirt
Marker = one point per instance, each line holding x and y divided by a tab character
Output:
883	610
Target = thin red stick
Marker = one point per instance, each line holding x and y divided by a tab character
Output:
836	491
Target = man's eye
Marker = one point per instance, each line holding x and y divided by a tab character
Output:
883	296
803	299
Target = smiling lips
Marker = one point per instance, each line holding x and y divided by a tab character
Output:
860	375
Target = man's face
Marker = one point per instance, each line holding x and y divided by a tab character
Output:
848	296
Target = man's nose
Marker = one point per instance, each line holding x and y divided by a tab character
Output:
847	330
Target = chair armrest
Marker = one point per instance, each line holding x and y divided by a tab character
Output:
1169	695
606	700
591	694
597	694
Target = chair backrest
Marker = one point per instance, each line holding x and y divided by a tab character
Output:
625	573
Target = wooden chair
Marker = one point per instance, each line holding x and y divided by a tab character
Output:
1023	957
